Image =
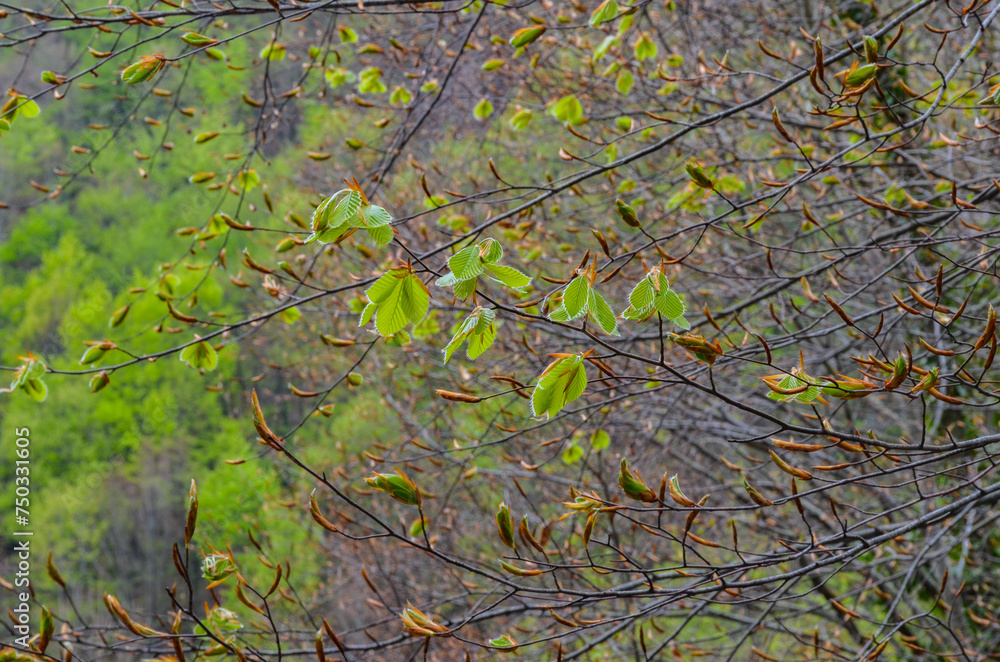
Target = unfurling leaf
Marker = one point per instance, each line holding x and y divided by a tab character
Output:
45	630
633	485
398	298
417	623
857	76
755	495
504	642
653	294
479	329
606	11
505	525
698	175
677	495
525	36
143	70
627	214
99	381
216	567
480	259
396	485
520	572
563	381
28	378
201	356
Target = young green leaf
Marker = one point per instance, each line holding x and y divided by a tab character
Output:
479	328
508	276
601	313
576	297
653	294
201	356
606	11
472	261
645	49
273	52
563	381
525	36
483	109
141	71
568	110
28	378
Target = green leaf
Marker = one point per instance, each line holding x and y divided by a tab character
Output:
601	312
559	315
600	440
606	11
568	109
465	288
201	356
93	355
247	179
563	381
383	287
463	332
366	314
483	109
397	298
624	82
466	263
136	73
273	52
509	276
669	304
347	35
572	454
36	389
525	36
290	315
632	313
382	234
861	75
503	642
604	46
347	207
483	335
415	299
197	40
480	330
641	296
337	76
521	119
645	49
373	216
371	81
447	280
401	96
576	297
490	251
99	381
390	316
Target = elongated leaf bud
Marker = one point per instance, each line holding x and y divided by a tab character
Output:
505	525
